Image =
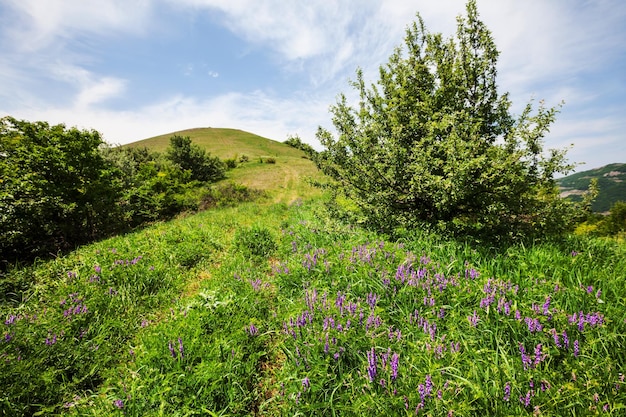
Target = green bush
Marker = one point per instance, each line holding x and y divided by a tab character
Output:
56	189
227	194
270	160
203	166
434	143
231	163
255	241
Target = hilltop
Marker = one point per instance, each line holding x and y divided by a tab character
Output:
285	179
224	143
611	184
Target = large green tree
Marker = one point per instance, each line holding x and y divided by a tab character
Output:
433	142
56	190
191	157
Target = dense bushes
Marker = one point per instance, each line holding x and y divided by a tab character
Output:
192	158
614	224
434	143
61	187
56	189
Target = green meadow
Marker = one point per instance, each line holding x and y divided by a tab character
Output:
276	308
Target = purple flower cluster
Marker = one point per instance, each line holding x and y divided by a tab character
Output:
473	319
580	319
371	365
252	330
529	362
172	349
127	262
76	306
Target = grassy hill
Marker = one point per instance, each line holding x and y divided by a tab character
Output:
225	143
611	183
274	308
285	180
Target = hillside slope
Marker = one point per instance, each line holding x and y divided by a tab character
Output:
611	182
224	143
285	180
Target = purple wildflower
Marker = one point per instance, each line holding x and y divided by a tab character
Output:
10	320
372	299
538	355
525	400
557	341
526	361
171	348
546	307
306	383
181	349
507	391
565	339
371	368
395	358
576	349
428	385
473	319
119	404
252	330
98	269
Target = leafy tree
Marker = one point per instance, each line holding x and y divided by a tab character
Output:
56	190
432	142
191	157
296	142
615	222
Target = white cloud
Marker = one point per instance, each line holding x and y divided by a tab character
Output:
548	50
38	24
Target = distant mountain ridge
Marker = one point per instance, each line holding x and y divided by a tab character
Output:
611	184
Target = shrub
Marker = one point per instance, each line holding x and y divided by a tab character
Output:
270	160
203	166
227	194
56	190
255	241
433	142
231	163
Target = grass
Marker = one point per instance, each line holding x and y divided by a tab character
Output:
272	308
284	181
225	143
192	318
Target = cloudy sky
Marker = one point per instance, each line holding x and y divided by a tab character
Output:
132	69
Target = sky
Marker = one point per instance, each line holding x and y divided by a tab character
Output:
133	69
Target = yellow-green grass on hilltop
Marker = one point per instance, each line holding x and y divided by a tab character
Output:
285	180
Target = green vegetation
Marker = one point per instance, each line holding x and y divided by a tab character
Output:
64	187
611	186
279	310
432	142
224	143
285	306
56	189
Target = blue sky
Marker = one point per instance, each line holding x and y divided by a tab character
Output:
135	69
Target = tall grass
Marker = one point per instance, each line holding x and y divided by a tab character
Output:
278	310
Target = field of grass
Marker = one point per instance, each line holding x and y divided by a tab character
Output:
273	308
224	143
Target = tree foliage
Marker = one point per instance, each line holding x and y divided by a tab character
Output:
56	190
433	142
296	142
61	187
191	157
